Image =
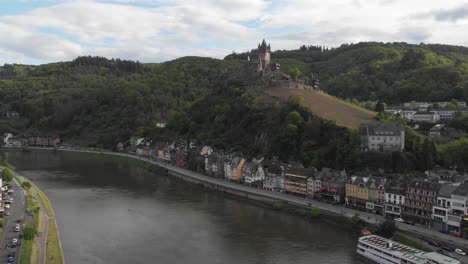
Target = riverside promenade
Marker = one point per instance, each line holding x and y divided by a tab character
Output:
271	197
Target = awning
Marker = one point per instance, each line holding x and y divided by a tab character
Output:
334	190
323	188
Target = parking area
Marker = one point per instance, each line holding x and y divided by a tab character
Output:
14	211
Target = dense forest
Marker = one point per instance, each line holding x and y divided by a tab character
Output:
94	101
391	72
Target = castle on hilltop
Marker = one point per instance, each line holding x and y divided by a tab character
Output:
262	72
264	56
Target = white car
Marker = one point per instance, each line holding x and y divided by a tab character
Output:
399	220
11	191
7	206
460	252
14	240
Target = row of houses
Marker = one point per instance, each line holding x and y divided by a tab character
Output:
33	141
424	115
424	106
420	199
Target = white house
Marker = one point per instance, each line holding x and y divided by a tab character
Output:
382	136
445	114
427	117
436	130
394	199
408	114
441	209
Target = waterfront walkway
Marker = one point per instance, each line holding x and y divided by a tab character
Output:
414	230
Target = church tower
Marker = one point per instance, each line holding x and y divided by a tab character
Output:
264	50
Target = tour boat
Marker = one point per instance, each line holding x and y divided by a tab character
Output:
385	251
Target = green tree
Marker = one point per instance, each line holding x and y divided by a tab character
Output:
295	73
29	232
380	107
315	213
26	185
387	228
295	118
7	176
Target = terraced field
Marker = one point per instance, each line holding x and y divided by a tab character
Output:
326	106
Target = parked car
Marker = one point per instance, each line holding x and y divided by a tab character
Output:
460	252
7	213
14	240
11	191
400	220
449	249
409	222
7	206
434	244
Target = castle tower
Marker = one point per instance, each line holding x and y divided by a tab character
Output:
264	51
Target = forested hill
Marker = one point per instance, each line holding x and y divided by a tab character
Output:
98	101
94	100
392	72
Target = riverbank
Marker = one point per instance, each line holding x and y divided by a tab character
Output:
46	247
272	198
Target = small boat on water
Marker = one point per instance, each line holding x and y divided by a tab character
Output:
385	251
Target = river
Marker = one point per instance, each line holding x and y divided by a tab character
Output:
112	211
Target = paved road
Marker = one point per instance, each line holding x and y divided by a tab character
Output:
17	210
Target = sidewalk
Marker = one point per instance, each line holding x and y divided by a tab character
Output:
42	239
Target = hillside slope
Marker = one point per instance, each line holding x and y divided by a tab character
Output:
391	72
326	106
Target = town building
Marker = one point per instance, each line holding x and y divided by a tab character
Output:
425	117
436	130
274	176
12	115
214	165
357	193
233	168
419	198
420	106
441	209
253	174
295	180
394	198
458	209
382	136
366	193
331	185
408	114
445	114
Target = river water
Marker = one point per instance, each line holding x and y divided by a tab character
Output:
112	211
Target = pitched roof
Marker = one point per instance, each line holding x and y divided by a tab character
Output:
446	190
462	190
374	127
425	185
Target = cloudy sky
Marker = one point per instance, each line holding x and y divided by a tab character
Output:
35	32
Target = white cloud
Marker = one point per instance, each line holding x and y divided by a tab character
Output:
156	30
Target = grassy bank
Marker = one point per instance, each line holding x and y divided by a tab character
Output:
53	249
409	242
26	252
